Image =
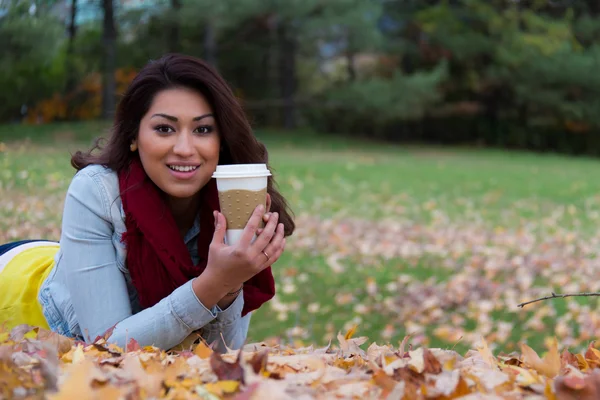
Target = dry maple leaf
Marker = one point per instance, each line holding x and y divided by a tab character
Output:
225	370
133	345
592	356
577	387
259	361
431	363
202	350
549	365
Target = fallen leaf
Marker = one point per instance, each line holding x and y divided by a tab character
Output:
202	350
259	361
133	345
549	365
225	370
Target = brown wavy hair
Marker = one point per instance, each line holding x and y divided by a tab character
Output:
239	145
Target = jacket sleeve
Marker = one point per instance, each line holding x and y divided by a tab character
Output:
230	329
98	288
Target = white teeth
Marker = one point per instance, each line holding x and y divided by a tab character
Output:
182	168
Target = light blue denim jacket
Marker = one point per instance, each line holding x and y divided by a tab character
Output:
89	290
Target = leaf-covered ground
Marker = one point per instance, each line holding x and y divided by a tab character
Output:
38	364
438	244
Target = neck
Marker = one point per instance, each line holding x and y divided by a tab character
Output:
184	211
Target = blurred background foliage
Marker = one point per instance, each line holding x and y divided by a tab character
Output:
516	74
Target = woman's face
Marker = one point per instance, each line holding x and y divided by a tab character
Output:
178	142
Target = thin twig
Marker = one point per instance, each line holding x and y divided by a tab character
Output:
555	296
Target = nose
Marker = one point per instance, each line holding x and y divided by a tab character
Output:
183	145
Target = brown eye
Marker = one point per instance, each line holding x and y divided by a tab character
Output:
164	129
203	130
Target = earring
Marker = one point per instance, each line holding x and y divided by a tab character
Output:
133	146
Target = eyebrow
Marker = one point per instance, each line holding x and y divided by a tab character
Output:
174	119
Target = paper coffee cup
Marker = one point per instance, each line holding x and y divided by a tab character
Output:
241	188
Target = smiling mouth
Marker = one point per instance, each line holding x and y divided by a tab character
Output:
183	168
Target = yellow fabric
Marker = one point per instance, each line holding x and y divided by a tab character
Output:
20	282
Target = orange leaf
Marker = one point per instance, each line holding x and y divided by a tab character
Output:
202	350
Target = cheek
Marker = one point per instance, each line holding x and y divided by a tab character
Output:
212	149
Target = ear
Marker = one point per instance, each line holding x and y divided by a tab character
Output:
268	205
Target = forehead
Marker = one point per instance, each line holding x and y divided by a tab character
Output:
180	102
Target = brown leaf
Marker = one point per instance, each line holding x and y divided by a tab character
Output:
225	370
567	358
259	361
432	364
384	381
592	356
103	348
413	381
106	334
402	350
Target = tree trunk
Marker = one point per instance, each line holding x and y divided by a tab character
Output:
210	44
271	70
594	7
72	31
287	74
174	45
109	38
351	67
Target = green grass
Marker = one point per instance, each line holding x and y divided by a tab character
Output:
441	201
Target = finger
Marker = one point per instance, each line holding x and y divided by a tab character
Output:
265	237
251	226
259	231
274	249
266	217
268	202
220	228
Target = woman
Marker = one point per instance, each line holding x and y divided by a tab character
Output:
142	247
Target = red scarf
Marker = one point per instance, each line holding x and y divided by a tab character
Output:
157	257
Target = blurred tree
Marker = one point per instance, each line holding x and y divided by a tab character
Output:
109	38
71	74
31	57
174	31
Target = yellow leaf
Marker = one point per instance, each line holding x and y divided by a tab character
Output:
77	383
222	387
350	332
582	362
202	350
549	392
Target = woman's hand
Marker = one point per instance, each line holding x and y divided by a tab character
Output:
230	266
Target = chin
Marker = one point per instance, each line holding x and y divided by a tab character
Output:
183	194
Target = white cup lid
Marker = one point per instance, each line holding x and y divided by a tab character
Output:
241	171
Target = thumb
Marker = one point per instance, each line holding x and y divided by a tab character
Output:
220	228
